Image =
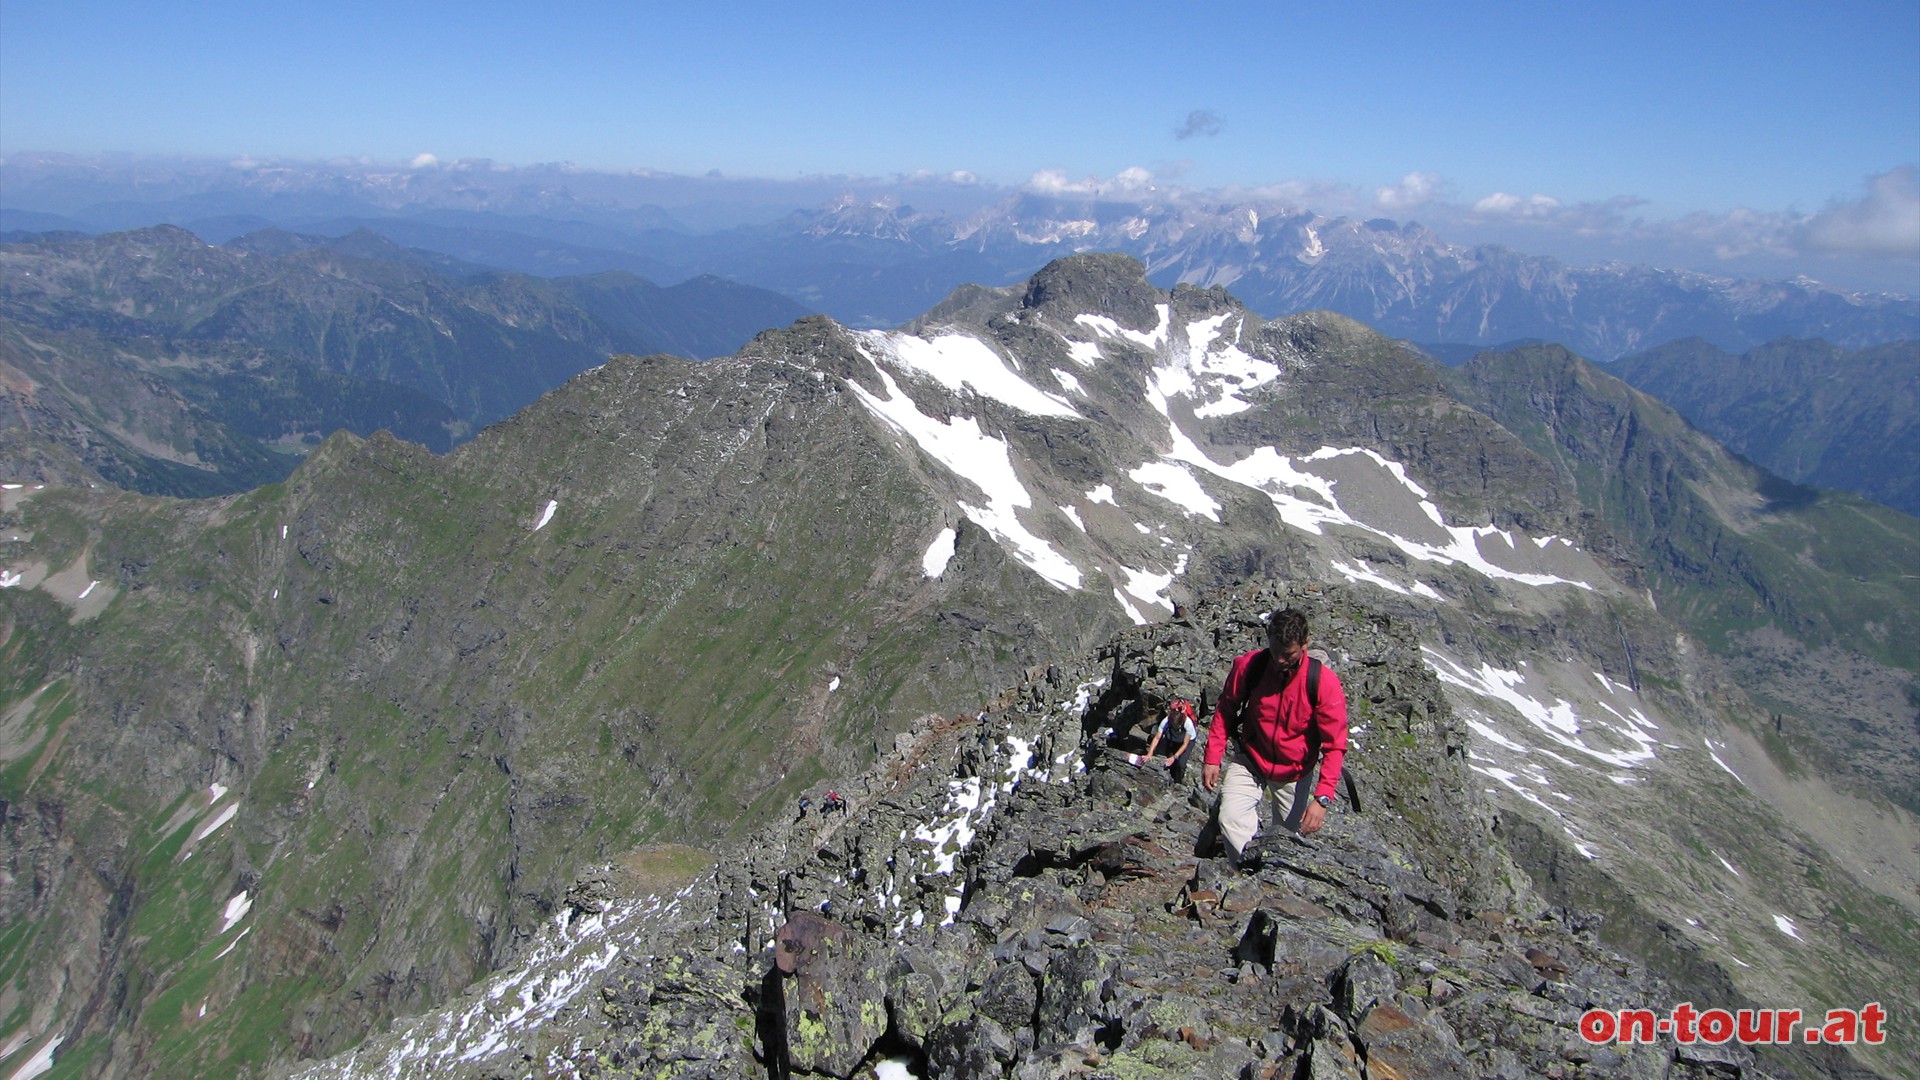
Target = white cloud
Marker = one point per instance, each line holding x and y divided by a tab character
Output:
1587	218
1133	181
922	177
1739	232
1501	204
1055	182
1885	222
1416	189
1865	238
1322	196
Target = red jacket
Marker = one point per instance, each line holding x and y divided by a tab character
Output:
1281	729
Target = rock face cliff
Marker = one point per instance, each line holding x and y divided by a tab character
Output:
282	766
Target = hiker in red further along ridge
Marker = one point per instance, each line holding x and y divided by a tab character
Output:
1278	711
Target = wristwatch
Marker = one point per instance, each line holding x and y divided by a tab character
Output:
1325	801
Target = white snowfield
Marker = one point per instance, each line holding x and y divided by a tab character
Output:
1553	735
1716	759
969	803
939	553
221	813
987	462
963	362
490	1021
40	1062
1547	732
1601	731
1199	372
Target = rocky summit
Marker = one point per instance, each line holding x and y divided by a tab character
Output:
1007	895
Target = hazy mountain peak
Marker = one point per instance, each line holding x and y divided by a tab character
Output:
1111	285
273	240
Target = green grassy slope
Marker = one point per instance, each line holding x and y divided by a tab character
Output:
1743	559
435	715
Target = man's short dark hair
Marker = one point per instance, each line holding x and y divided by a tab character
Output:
1287	627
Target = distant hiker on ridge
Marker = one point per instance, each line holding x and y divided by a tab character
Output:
1280	709
1179	710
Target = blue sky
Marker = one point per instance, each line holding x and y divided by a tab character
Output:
1738	123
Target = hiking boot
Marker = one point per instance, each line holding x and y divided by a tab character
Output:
1248	861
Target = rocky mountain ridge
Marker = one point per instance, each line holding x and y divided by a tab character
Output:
1809	411
1007	895
325	753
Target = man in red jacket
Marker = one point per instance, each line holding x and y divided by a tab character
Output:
1285	710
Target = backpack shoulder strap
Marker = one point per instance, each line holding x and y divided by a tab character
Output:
1313	682
1256	669
1249	678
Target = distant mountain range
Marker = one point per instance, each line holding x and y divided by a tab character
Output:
868	260
160	363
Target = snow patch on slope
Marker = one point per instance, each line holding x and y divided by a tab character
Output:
1362	574
962	362
40	1062
225	815
1717	761
236	910
1622	740
1551	726
939	553
986	461
562	962
1176	484
1160	336
1199	371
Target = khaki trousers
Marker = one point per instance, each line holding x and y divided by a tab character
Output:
1241	794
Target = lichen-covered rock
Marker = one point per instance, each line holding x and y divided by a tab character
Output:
836	1001
1405	1044
1072	997
969	1045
